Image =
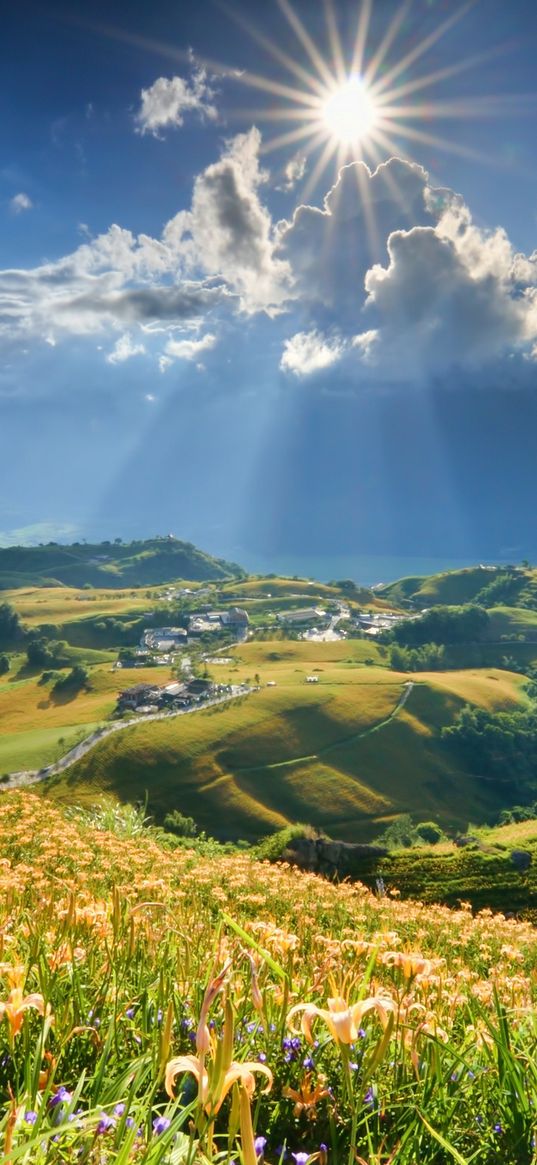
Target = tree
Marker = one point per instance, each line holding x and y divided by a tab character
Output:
76	679
10	624
4	664
429	832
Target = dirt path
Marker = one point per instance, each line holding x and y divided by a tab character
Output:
339	743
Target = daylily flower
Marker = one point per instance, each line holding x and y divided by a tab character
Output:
307	1096
343	1021
213	1098
15	1006
410	964
216	1077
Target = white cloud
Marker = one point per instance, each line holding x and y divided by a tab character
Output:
231	230
446	300
165	103
185	349
331	248
124	349
309	352
20	202
293	172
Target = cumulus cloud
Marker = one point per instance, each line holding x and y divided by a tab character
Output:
412	286
20	202
309	352
217	255
124	349
231	230
164	105
188	349
331	248
447	298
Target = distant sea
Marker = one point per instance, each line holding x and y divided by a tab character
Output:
368	570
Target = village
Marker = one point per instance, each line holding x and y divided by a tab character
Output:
165	646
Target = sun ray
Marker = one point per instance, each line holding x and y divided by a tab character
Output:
423	46
372	236
321	164
362	30
475	107
428	79
387	41
306	41
445	144
275	51
292	137
267	85
335	42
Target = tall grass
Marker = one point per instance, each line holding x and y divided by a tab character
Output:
148	997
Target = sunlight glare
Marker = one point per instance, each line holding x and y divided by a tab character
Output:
349	113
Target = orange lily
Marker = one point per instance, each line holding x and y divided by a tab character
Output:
342	1020
15	1006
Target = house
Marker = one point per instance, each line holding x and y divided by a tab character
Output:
235	617
303	615
312	679
202	625
163	638
138	696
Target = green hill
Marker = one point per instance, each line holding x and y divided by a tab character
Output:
110	565
451	587
347	753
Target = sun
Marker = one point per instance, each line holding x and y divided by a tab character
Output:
349	113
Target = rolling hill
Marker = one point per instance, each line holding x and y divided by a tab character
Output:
108	564
347	753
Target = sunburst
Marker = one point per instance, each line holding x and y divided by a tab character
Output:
360	105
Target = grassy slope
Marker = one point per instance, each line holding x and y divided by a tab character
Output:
33	718
453	587
297	751
136	563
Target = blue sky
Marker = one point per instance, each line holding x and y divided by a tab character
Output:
226	315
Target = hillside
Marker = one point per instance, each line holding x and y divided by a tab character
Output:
487	585
346	753
340	1025
108	564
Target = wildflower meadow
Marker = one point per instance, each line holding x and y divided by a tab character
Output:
161	1005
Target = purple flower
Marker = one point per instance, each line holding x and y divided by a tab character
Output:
130	1013
119	1109
301	1158
160	1124
30	1117
259	1146
498	1130
105	1124
62	1096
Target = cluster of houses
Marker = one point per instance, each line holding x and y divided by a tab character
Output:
372	624
146	698
208	622
158	645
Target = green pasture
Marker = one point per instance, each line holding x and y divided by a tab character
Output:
339	754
